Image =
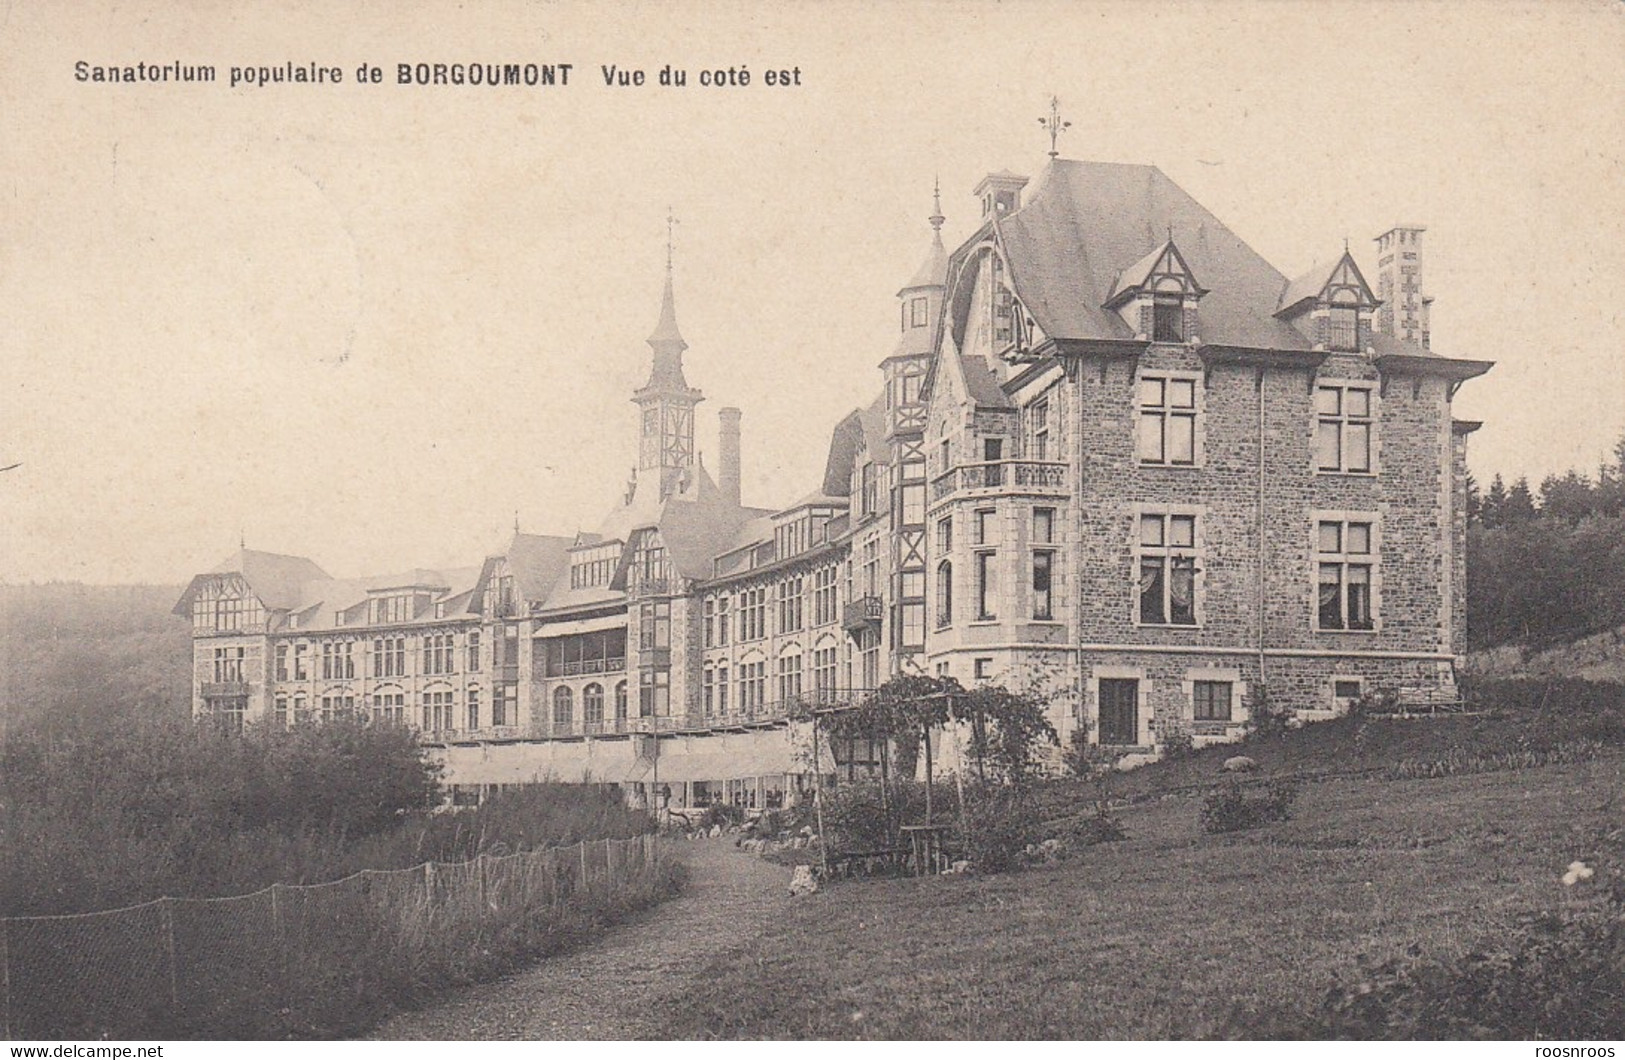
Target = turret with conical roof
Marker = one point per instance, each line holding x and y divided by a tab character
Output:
920	300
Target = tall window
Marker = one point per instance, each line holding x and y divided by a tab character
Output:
824	609
916	312
228	665
473	651
709	621
1043	526
438	654
722	688
1343	328
790	605
824	669
563	709
592	704
1167	420
722	619
281	662
1043	572
620	701
945	533
1168	318
389	657
1167	579
1343	431
789	677
987	527
867	489
987	586
654	694
753	614
437	711
1346	560
473	709
654	626
945	594
389	708
708	690
1039	418
301	671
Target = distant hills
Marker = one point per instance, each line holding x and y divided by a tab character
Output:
74	652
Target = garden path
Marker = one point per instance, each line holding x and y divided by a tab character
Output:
610	987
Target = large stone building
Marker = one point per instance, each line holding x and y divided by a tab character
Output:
1117	458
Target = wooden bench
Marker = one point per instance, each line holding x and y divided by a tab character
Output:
1430	699
849	862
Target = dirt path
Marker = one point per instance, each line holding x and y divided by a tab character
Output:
609	988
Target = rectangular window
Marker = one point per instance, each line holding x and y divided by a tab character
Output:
473	709
722	620
1039	420
824	598
1043	571
1043	526
1343	329
473	651
945	533
987	527
790	605
987	586
1211	700
722	689
912	625
301	671
1167	571
916	312
281	662
1168	318
983	669
789	677
824	669
709	621
1346	559
1167	421
913	503
654	626
1343	428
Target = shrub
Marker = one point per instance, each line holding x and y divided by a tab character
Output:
1177	744
1234	807
865	816
1266	719
997	824
1102	826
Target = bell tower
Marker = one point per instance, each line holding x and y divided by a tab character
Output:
666	402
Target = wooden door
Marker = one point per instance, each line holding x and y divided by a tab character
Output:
1119	711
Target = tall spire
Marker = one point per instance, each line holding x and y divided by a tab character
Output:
936	217
665	333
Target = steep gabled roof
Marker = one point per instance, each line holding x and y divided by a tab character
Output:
276	579
536	562
1311	285
1088	222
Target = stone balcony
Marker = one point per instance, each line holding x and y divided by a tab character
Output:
1046	478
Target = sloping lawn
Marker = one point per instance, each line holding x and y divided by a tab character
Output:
1171	933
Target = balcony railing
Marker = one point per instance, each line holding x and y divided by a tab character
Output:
864	611
796	708
1002	476
589	666
225	688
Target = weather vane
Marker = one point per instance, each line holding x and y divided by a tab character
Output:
1054	124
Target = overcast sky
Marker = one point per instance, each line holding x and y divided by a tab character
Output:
367	323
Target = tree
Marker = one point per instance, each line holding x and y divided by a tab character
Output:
1520	504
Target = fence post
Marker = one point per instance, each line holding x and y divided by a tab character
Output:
479	868
5	980
586	876
281	966
169	946
609	865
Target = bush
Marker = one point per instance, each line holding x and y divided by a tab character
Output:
1234	807
1177	744
865	817
1001	822
1266	719
1102	826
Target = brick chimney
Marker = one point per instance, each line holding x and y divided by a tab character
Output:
728	468
1000	192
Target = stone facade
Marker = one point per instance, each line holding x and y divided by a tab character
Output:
1117	460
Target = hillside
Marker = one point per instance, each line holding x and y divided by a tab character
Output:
72	651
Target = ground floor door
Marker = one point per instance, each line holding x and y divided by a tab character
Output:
1119	710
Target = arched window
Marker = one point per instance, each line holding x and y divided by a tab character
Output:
592	704
945	594
620	701
563	709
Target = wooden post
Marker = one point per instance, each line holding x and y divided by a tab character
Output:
928	784
818	799
169	946
5	980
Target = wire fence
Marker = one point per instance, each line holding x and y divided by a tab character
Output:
300	960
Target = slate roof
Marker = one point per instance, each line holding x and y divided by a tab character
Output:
1087	222
275	578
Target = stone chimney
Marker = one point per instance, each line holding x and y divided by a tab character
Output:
1404	311
728	467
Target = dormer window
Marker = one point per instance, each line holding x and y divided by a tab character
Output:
1343	325
917	316
1154	295
1168	318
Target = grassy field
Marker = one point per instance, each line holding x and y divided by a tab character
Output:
1171	933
